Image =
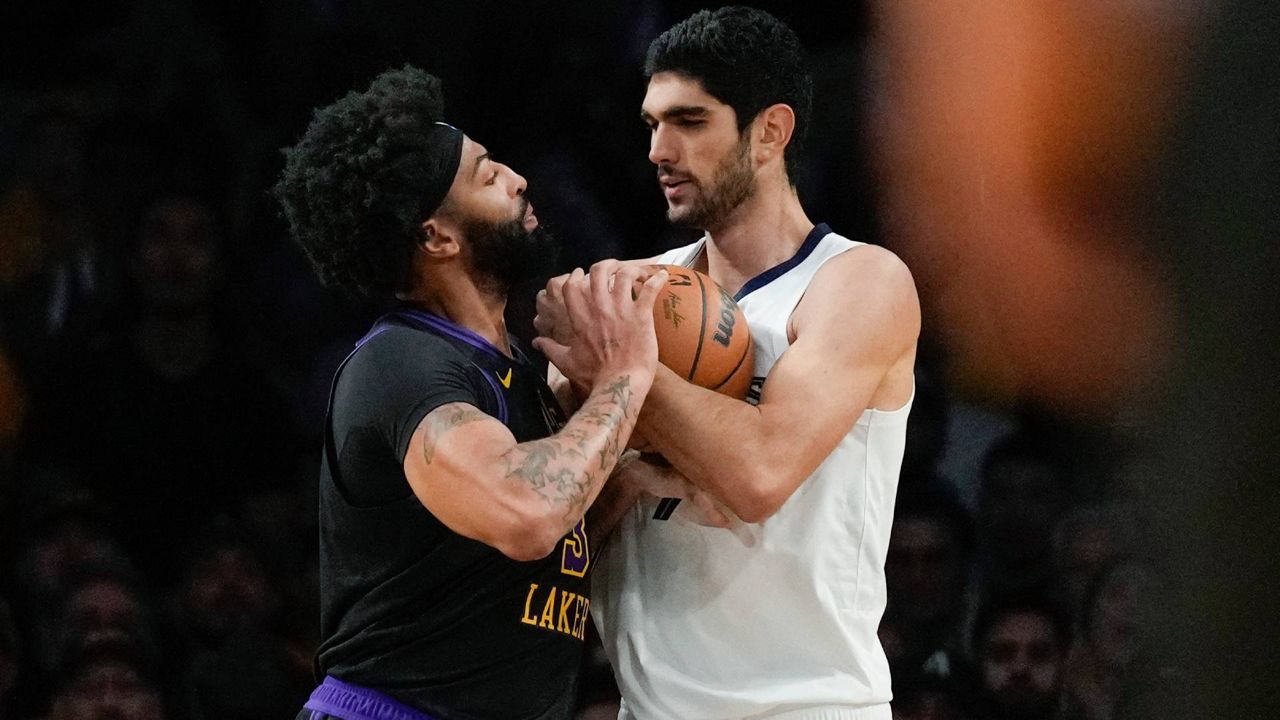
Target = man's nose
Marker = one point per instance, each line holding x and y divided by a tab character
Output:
662	147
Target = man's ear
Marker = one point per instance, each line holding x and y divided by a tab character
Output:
439	239
773	129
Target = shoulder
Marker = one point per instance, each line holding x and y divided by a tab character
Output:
864	280
866	263
397	343
864	270
399	353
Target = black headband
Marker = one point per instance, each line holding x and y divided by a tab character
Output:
444	153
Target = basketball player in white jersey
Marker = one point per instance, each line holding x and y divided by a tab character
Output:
775	616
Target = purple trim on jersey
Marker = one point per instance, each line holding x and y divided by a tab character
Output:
810	243
451	329
374	332
432	322
352	702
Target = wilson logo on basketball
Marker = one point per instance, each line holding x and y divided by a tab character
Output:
724	328
702	334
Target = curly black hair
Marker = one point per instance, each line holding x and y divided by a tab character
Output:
746	59
352	188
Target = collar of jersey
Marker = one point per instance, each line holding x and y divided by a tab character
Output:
420	317
806	249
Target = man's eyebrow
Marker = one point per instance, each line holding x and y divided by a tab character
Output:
676	111
476	166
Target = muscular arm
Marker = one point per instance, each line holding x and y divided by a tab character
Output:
521	498
854	343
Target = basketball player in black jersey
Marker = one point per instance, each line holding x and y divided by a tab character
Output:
453	554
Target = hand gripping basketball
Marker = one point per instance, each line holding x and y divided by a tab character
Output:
702	333
610	327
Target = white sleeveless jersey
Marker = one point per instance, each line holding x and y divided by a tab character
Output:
776	619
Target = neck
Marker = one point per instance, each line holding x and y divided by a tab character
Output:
765	230
467	304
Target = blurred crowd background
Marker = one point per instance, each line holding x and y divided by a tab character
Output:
1086	193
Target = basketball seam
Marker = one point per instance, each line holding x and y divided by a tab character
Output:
702	331
746	349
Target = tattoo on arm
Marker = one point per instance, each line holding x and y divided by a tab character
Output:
442	420
560	467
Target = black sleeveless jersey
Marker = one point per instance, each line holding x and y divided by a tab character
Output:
410	608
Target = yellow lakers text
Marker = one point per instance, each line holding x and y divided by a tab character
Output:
562	611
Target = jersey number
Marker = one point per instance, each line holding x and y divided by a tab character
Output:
576	556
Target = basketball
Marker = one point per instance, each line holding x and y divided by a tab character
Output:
702	333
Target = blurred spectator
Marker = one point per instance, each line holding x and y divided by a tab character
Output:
102	612
106	610
239	663
187	428
225	590
1114	661
64	531
63	538
926	572
1021	645
54	279
1084	541
107	684
1024	493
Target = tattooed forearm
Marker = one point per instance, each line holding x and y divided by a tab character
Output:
568	467
442	420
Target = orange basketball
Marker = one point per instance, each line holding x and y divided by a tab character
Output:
702	333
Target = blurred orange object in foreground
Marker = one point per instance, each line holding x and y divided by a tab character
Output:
1014	142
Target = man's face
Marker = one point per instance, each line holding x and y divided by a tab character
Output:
500	233
924	569
704	163
103	613
227	590
1021	665
108	690
1120	617
178	256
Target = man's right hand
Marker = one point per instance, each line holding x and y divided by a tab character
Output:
610	327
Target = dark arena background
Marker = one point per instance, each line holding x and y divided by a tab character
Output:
1085	192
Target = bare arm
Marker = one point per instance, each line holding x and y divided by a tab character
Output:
636	478
854	344
521	498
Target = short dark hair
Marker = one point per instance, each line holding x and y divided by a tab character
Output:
746	59
1000	607
352	188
